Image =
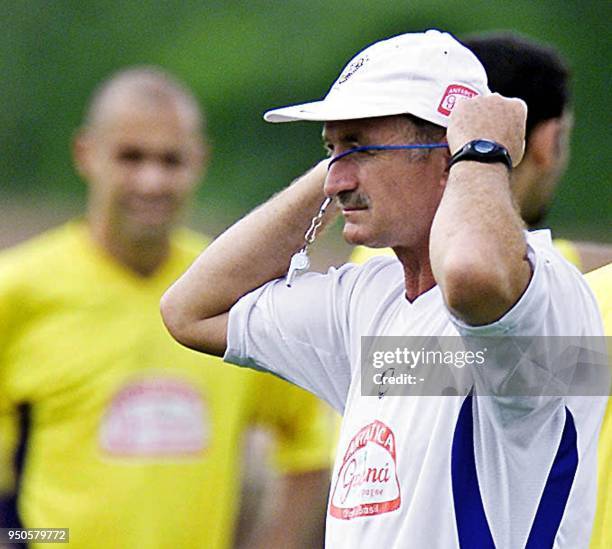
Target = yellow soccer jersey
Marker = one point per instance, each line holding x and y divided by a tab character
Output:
133	441
361	253
601	284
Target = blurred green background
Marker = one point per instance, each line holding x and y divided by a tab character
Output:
242	58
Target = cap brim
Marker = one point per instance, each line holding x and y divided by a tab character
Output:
327	111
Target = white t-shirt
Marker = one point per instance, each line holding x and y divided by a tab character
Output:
431	471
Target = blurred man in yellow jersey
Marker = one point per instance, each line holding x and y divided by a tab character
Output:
601	284
518	67
119	433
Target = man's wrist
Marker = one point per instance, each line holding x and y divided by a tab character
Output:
469	168
483	151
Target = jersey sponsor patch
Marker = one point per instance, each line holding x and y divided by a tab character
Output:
155	417
367	482
453	93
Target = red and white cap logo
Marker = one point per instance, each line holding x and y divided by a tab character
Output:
367	481
451	95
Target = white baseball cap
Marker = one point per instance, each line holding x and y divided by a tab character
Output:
422	74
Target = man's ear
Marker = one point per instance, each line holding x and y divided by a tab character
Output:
544	143
81	153
204	153
446	156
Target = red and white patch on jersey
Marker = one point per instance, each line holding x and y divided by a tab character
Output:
367	482
156	417
453	93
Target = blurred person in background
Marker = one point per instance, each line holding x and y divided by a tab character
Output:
117	432
600	281
520	67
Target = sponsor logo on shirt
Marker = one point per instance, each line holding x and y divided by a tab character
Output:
453	93
156	417
367	482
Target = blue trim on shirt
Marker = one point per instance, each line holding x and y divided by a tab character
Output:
556	492
472	527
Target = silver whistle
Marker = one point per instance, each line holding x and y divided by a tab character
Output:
300	262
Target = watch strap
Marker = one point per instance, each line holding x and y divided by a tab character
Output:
482	150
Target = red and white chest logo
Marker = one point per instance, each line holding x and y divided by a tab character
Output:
155	417
367	481
451	95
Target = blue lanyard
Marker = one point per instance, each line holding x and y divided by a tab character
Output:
387	148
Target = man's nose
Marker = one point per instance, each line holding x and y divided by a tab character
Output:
341	176
152	177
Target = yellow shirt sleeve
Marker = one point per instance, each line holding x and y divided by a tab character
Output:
301	423
601	284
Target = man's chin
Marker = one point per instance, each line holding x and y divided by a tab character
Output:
357	236
354	235
149	231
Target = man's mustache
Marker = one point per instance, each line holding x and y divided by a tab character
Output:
351	200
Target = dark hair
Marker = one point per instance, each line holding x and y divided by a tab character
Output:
424	131
519	67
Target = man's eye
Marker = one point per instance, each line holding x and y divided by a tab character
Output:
130	156
172	159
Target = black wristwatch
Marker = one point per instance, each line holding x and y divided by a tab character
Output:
482	150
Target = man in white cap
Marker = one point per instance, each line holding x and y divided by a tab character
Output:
418	168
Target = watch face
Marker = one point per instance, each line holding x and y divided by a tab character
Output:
483	146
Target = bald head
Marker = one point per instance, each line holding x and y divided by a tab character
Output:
142	152
145	88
